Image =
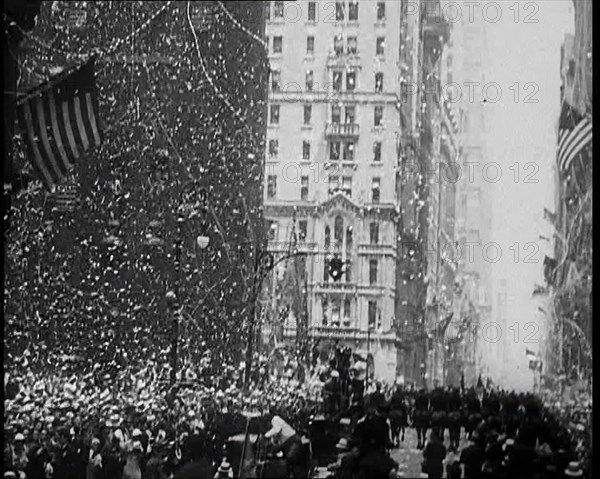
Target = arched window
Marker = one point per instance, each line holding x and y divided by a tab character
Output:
338	231
349	238
327	236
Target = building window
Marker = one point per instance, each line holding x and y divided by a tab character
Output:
327	241
374	232
377	151
373	271
338	45
272	235
380	11
337	81
349	233
271	186
349	151
277	44
379	50
378	116
347	312
278	10
338	232
267	6
306	150
312	11
309	80
336	113
352	46
274	114
302	230
350	80
379	82
304	188
350	114
273	148
348	272
372	314
334	184
353	11
334	150
307	114
375	192
310	45
276	80
347	185
336	310
324	301
339	10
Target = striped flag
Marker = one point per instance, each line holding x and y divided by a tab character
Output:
60	122
575	133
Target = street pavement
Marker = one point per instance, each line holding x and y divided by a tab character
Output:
409	457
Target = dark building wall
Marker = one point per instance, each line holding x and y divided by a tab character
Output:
165	126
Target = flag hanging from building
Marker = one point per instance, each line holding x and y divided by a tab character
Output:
531	355
59	120
574	134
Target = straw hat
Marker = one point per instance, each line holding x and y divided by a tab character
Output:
508	443
342	444
573	470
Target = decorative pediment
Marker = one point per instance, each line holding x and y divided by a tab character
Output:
338	201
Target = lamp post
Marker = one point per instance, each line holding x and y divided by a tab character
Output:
173	296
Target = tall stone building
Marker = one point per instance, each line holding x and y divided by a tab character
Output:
464	80
331	164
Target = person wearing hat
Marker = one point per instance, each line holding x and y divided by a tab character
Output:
285	439
94	464
332	394
473	457
377	398
113	458
574	470
19	453
434	454
347	461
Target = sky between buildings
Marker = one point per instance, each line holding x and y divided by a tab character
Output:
521	139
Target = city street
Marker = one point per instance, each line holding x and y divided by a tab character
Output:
243	238
410	458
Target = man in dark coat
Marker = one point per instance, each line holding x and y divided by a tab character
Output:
472	457
434	455
421	417
331	394
377	398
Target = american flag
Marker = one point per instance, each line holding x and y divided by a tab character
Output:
60	123
575	133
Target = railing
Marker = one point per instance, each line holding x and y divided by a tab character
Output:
377	249
342	332
336	287
342	129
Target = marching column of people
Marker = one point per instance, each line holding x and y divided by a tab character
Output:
507	435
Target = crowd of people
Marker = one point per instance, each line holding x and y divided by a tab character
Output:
135	425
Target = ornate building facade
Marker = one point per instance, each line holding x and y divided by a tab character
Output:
331	166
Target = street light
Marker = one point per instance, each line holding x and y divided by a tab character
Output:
173	296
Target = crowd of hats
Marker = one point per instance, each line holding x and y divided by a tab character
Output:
51	410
